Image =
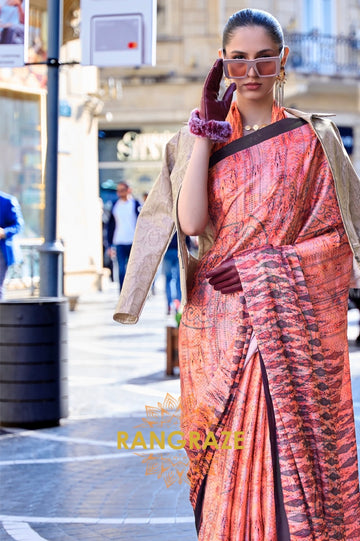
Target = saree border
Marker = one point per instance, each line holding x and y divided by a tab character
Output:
282	126
282	525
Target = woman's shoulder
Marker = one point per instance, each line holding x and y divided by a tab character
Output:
179	147
323	124
310	116
182	137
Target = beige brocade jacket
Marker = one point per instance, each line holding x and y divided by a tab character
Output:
158	218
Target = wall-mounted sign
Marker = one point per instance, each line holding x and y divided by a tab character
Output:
118	32
64	108
14	23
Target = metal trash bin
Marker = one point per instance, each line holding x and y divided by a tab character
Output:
33	362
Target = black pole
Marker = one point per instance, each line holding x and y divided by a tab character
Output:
51	251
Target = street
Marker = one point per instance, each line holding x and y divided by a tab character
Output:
71	482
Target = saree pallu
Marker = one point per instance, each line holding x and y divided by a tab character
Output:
272	360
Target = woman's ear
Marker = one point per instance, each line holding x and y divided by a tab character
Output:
220	53
285	55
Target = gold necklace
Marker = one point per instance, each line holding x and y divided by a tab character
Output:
255	127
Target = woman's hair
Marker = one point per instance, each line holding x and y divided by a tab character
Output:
254	17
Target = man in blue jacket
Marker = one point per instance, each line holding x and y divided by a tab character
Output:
11	223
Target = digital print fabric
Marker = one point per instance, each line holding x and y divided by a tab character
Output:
272	361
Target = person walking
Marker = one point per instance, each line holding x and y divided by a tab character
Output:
121	226
172	276
11	223
264	366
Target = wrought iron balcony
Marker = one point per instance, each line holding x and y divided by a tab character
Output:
320	54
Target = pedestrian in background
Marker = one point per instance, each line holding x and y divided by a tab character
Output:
11	223
275	202
171	272
107	258
354	302
121	227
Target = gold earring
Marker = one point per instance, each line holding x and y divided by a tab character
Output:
279	87
227	82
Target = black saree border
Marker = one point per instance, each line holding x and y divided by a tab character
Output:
282	525
199	505
268	132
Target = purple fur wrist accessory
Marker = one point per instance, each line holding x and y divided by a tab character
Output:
216	130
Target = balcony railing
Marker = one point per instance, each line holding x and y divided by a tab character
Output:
314	53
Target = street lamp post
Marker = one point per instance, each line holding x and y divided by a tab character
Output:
51	251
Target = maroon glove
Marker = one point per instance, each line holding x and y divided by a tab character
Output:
225	277
210	107
210	121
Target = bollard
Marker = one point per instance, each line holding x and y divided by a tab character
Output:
33	362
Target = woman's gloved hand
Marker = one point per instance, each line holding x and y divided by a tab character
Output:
212	108
209	121
225	277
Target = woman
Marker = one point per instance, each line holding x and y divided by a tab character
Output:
263	343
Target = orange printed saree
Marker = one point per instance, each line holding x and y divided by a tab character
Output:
271	362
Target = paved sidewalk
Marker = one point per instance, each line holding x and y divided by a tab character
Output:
71	482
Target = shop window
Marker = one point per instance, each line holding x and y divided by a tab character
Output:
133	156
21	152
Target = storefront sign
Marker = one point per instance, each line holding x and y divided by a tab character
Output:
142	146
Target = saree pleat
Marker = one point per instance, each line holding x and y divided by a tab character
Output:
251	493
279	219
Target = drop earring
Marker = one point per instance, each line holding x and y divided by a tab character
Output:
279	87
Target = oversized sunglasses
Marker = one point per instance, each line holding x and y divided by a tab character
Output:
238	68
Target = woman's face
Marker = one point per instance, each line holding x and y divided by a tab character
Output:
250	43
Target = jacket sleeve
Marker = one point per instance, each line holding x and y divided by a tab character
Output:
154	229
347	187
110	228
14	221
137	208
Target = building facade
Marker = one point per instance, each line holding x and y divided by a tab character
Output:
143	106
23	145
115	122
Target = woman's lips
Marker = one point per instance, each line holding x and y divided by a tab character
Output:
252	86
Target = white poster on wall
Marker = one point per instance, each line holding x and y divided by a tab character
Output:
14	22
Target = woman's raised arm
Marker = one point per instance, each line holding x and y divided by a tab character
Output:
193	197
209	125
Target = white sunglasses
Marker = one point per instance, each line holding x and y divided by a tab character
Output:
238	68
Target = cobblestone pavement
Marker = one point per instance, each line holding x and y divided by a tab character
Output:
71	482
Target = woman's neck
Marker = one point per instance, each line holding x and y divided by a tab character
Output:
255	113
